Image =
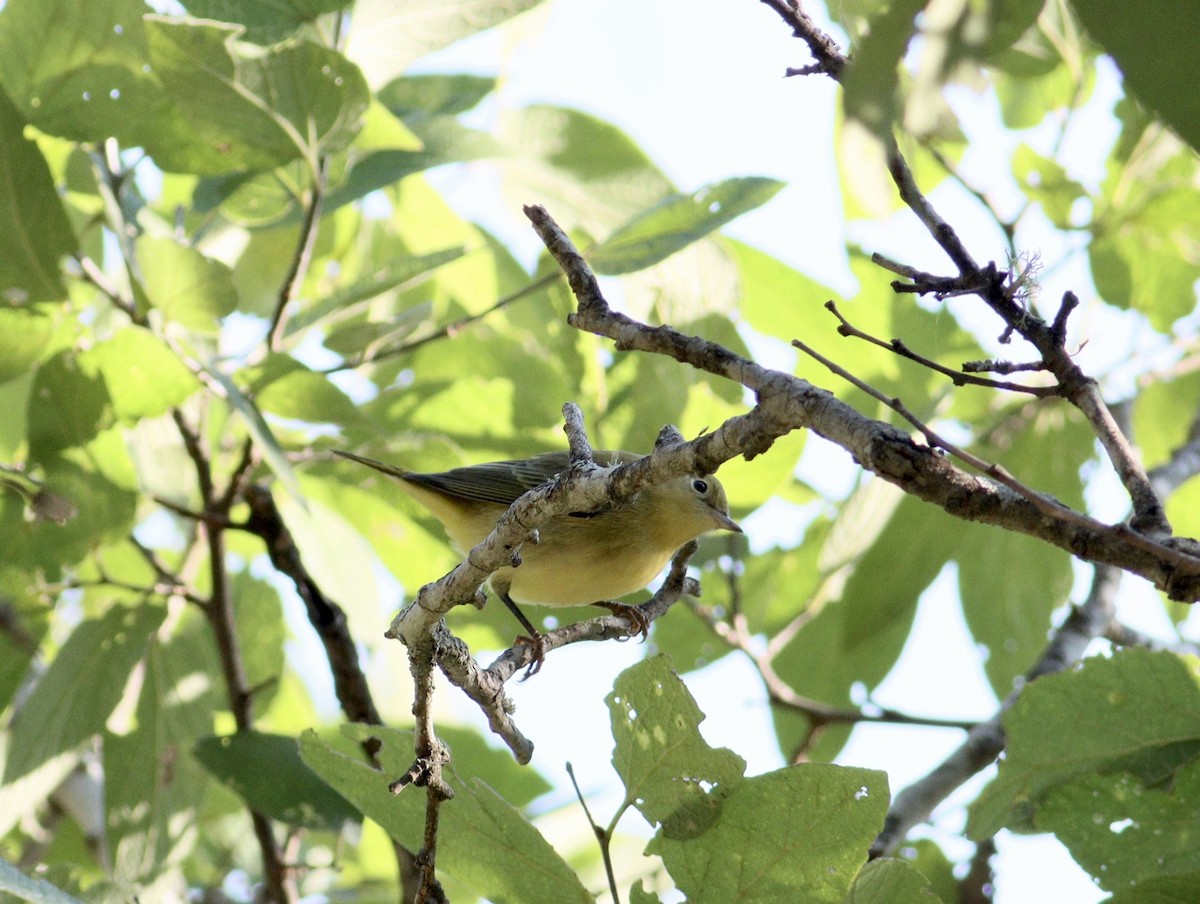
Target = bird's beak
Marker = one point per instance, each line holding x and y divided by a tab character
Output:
724	522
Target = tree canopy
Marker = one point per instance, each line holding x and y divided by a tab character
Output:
227	255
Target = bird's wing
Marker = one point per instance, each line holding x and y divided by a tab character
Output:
503	482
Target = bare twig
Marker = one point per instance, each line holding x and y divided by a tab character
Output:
302	258
602	838
959	378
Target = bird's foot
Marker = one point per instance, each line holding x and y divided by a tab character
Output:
537	642
639	623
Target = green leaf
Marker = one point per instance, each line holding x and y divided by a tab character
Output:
258	428
397	275
99	655
77	68
338	558
415	98
36	230
670	773
1124	830
154	788
590	173
284	387
796	834
871	79
187	287
143	376
858	638
1148	260
67	406
1124	30
1171	890
265	21
483	842
1046	182
249	111
1011	616
24	335
267	772
384	38
677	221
99	480
382	130
31	888
258	616
1066	725
891	881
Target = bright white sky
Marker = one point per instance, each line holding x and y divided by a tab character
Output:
699	86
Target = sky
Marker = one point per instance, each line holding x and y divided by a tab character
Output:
700	87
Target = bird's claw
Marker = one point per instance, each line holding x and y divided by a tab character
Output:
639	623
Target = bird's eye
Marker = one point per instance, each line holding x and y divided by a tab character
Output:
700	486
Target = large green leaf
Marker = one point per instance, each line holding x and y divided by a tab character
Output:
24	335
153	787
265	21
258	617
483	842
67	406
386	37
1126	30
36	231
1125	830
78	68
184	285
1137	712
1148	261
1046	451
677	221
415	98
144	378
98	656
800	833
244	111
671	774
871	79
858	638
592	175
267	772
891	881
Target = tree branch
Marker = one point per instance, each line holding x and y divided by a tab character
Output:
786	403
280	884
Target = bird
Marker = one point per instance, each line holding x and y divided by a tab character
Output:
581	558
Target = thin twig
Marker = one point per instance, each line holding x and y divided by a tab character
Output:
602	838
959	378
302	258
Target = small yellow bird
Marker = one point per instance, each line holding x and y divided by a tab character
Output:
584	558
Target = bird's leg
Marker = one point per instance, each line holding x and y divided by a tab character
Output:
534	638
639	624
